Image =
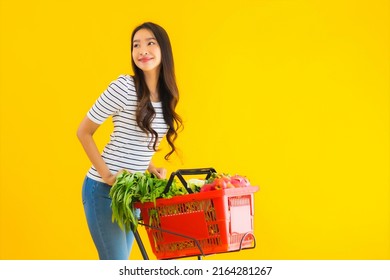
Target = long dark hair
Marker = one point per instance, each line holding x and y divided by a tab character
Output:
169	93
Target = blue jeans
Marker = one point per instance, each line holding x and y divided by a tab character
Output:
112	243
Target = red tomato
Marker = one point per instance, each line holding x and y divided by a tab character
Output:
208	187
220	183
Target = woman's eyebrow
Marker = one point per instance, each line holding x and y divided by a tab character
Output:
147	39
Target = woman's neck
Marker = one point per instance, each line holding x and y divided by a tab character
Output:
151	80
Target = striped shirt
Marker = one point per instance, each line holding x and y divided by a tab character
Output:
129	147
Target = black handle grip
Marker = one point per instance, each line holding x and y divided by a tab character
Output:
181	172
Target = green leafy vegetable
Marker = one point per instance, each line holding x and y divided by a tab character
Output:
137	187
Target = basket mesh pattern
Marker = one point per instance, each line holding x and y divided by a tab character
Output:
239	201
216	222
205	206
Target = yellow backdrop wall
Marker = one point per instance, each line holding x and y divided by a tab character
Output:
293	94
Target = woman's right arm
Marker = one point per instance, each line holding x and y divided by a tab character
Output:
85	134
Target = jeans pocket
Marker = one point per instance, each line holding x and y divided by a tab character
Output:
102	190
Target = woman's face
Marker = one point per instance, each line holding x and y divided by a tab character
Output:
146	51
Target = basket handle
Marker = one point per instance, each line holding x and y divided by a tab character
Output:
181	172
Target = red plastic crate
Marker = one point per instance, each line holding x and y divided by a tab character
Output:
217	221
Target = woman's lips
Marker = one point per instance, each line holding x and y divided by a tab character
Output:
144	59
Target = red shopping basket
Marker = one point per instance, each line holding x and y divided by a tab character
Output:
200	223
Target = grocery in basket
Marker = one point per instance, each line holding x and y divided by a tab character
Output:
190	217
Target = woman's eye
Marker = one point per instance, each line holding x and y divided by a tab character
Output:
151	43
135	45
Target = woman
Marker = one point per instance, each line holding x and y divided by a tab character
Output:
143	111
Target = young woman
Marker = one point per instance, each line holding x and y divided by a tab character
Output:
143	111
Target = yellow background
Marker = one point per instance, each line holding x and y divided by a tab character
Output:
293	94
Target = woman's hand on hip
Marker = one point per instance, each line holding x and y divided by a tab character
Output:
109	179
